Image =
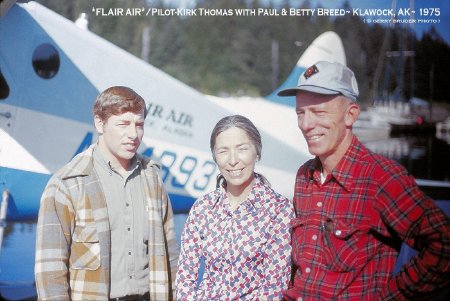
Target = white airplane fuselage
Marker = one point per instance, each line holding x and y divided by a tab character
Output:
52	71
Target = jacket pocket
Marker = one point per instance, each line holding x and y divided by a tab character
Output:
85	250
344	245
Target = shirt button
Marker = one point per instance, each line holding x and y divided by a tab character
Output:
338	232
307	270
129	229
299	299
319	204
314	237
128	204
129	253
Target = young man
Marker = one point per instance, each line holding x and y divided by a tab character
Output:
105	227
354	208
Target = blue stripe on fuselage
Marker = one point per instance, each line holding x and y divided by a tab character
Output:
26	188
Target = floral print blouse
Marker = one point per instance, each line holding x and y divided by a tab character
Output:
246	252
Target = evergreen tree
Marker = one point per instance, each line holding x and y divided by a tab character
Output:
232	55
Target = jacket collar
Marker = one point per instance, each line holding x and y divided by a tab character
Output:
344	171
82	164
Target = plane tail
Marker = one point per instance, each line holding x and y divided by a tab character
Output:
327	47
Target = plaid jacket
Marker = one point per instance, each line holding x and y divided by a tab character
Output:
73	235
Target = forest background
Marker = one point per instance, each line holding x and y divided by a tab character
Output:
234	56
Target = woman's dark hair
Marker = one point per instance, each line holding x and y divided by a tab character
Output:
248	127
241	122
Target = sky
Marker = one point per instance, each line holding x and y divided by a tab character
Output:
443	27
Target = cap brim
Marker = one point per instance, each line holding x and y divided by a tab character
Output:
319	90
288	92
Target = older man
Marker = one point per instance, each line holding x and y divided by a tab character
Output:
354	208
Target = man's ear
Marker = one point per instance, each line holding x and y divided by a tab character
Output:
352	113
98	123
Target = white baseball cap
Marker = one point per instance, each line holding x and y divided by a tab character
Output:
326	78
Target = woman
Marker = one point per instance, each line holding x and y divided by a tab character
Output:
241	230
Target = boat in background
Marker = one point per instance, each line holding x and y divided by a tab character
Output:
394	113
385	117
393	104
369	129
390	117
392	148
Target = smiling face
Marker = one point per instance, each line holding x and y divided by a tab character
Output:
120	137
326	121
235	155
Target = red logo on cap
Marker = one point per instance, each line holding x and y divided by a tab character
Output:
310	71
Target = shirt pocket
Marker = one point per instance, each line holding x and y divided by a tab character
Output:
345	246
85	250
297	237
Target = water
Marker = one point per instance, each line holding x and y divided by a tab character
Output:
426	157
17	261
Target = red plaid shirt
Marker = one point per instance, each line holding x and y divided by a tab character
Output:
348	232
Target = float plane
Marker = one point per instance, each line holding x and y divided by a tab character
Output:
50	74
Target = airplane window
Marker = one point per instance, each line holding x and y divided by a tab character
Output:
4	88
46	61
